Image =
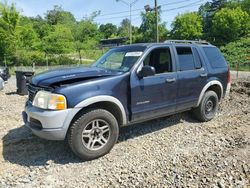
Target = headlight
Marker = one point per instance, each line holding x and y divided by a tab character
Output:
47	100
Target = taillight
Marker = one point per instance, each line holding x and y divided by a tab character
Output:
228	76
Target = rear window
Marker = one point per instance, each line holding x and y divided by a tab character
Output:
215	57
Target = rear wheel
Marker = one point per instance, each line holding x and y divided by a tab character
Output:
93	134
207	108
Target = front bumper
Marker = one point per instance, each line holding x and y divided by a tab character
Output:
48	124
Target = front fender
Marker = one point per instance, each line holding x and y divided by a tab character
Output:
104	98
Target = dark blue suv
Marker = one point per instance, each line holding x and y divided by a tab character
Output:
127	85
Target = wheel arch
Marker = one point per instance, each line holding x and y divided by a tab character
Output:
109	103
213	85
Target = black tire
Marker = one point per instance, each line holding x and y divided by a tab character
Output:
203	113
81	123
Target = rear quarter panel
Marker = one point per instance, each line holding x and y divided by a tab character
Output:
219	74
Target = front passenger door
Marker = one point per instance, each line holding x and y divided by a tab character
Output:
155	95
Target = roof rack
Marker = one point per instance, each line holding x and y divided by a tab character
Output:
188	41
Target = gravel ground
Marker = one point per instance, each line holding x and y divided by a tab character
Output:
175	151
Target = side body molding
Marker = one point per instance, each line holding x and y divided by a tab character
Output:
214	82
104	98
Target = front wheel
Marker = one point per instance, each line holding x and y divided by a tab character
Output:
207	108
93	134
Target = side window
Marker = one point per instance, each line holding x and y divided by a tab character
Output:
160	59
197	59
215	57
186	59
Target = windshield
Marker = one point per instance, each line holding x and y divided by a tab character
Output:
118	59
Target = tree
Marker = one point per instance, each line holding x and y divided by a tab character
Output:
229	25
41	27
92	16
108	30
207	12
243	4
59	16
123	30
216	5
137	35
8	36
84	33
206	15
86	30
59	41
147	30
187	26
79	47
27	38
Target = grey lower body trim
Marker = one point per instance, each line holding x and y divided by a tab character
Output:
48	134
213	82
104	98
53	125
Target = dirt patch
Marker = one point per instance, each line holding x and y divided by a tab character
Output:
242	87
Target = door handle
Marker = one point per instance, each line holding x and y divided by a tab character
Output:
203	74
170	80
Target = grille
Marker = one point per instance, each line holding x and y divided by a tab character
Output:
33	90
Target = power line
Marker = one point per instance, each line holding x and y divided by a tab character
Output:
135	10
184	6
171	9
125	16
114	13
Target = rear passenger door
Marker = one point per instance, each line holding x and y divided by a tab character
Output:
191	75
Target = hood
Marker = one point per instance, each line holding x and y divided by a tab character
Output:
70	74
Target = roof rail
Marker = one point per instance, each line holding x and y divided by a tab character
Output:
188	41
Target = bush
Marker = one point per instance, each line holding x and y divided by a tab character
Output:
93	54
61	60
27	58
238	52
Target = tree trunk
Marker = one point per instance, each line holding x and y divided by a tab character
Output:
80	57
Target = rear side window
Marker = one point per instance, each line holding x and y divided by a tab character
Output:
186	59
197	59
215	57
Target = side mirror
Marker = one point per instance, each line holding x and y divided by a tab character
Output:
146	71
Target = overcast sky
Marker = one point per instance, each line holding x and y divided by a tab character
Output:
110	9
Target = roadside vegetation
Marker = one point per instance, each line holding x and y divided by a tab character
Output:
58	38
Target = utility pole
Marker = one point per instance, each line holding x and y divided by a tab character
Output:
130	24
149	9
157	27
130	16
